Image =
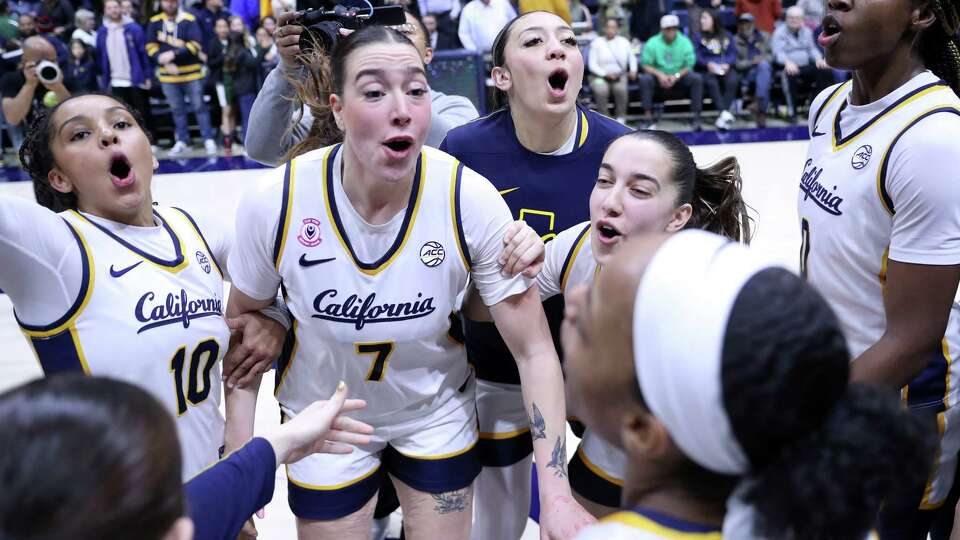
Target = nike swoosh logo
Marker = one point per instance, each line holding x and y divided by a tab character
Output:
505	191
816	133
118	273
313	262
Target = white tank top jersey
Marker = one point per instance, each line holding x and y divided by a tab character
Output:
378	320
881	183
568	262
156	323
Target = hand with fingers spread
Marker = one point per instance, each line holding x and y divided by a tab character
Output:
255	343
561	518
321	427
523	251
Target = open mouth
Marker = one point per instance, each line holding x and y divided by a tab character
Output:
120	170
608	233
830	31
558	80
399	144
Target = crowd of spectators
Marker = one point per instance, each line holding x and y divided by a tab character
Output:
213	58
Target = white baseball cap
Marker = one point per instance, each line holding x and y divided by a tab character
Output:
669	21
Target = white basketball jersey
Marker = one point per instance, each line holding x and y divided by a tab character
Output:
847	219
571	261
154	323
381	326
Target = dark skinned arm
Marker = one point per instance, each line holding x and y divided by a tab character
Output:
917	302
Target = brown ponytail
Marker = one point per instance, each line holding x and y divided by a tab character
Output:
717	201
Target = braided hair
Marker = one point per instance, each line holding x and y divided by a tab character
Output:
939	44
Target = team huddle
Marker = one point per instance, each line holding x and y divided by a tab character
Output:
544	265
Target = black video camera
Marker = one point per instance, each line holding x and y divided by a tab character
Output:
322	27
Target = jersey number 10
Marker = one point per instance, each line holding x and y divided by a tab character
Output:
198	373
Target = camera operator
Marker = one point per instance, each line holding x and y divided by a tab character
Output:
24	92
273	109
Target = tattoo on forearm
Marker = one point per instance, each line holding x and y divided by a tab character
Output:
538	426
558	460
453	501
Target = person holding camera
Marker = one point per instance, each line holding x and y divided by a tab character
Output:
274	107
37	85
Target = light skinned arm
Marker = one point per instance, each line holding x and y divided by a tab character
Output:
523	325
917	300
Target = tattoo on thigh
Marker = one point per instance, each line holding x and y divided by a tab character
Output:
538	426
453	501
558	460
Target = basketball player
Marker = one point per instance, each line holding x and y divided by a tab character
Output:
542	152
879	212
372	240
112	285
735	419
89	458
646	183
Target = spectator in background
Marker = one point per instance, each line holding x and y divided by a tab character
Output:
645	18
436	40
560	8
60	14
611	61
753	64
805	71
716	55
207	15
267	56
8	23
238	25
269	23
694	10
85	32
240	63
172	44
446	13
580	19
812	12
131	10
24	95
82	68
27	26
668	61
249	12
766	12
222	83
122	59
481	21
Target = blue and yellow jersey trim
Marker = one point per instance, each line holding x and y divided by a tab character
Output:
286	209
663	526
203	239
925	503
826	102
840	142
572	256
334	487
885	200
597	470
462	248
287	355
178	263
583	129
409	218
57	345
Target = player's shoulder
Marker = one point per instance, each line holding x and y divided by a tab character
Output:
613	530
601	129
831	95
568	238
483	132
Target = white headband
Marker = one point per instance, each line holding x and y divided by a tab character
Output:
679	322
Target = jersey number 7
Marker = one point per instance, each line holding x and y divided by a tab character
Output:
381	351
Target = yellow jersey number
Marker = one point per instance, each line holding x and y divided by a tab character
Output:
526	214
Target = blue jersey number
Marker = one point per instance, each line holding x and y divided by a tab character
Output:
804	246
198	373
381	351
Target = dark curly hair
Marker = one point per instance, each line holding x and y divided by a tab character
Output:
36	155
939	44
823	453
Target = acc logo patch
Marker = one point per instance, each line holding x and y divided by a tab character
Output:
432	254
309	234
861	157
203	261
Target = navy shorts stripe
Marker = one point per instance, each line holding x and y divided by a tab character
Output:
590	486
433	475
929	388
504	452
334	503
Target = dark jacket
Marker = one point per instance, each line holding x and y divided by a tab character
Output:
84	75
245	71
180	34
206	20
216	50
748	48
139	63
718	49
